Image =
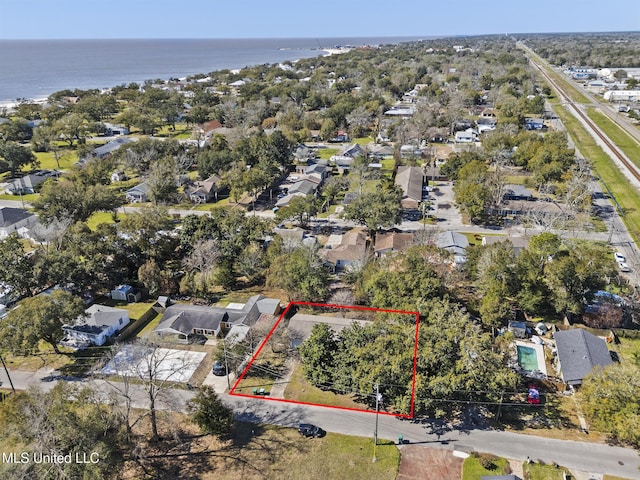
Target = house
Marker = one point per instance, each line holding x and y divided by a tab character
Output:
112	130
203	191
517	192
352	249
95	327
108	148
409	179
185	322
352	151
343	163
339	138
519	329
455	243
486	124
467	136
579	352
28	183
301	325
284	201
387	243
126	293
14	220
402	111
206	130
534	124
306	187
380	151
318	169
139	193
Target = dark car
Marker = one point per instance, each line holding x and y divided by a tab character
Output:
218	369
308	430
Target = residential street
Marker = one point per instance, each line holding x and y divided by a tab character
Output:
590	457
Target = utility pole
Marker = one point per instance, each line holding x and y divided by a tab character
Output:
226	363
375	431
7	372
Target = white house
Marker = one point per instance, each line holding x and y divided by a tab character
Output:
15	220
94	328
467	136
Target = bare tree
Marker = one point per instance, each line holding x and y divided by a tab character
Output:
154	369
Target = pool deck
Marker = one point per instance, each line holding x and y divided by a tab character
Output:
539	353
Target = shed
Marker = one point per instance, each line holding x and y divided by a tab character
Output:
519	329
126	293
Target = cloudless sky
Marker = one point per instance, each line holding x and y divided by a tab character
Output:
48	19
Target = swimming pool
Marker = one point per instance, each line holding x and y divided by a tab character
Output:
527	358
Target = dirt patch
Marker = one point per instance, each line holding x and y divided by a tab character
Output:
424	463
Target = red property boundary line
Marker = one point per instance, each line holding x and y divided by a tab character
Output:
328	305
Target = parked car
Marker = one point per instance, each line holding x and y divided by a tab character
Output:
533	397
624	267
619	257
218	369
309	430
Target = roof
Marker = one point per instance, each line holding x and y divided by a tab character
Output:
204	187
451	239
410	180
111	146
579	351
98	318
300	325
210	125
316	168
10	216
304	186
33	179
142	188
517	190
393	241
352	248
183	318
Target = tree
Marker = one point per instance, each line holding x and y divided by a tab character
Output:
302	208
67	421
163	181
209	413
317	355
471	192
301	274
378	209
16	269
72	127
15	156
75	201
610	399
39	318
620	74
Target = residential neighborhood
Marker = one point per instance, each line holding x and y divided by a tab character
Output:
440	253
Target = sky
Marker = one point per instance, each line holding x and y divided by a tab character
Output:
55	19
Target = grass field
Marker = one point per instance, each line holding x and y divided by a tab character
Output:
102	217
472	468
618	136
539	471
48	161
627	196
327	153
301	390
25	198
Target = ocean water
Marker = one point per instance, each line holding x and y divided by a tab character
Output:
37	68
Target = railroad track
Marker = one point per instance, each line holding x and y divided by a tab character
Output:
630	166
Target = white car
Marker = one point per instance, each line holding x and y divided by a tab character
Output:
624	267
619	257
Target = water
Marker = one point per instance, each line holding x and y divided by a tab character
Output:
527	358
37	68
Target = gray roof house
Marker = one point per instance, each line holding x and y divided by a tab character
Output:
455	243
579	351
139	193
517	192
110	147
184	321
14	219
28	183
94	328
304	186
203	191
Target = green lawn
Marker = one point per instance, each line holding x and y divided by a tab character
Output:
627	347
538	471
362	140
301	390
617	135
473	470
67	159
613	477
626	195
327	153
25	198
102	217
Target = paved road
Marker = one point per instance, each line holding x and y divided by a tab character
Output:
574	455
